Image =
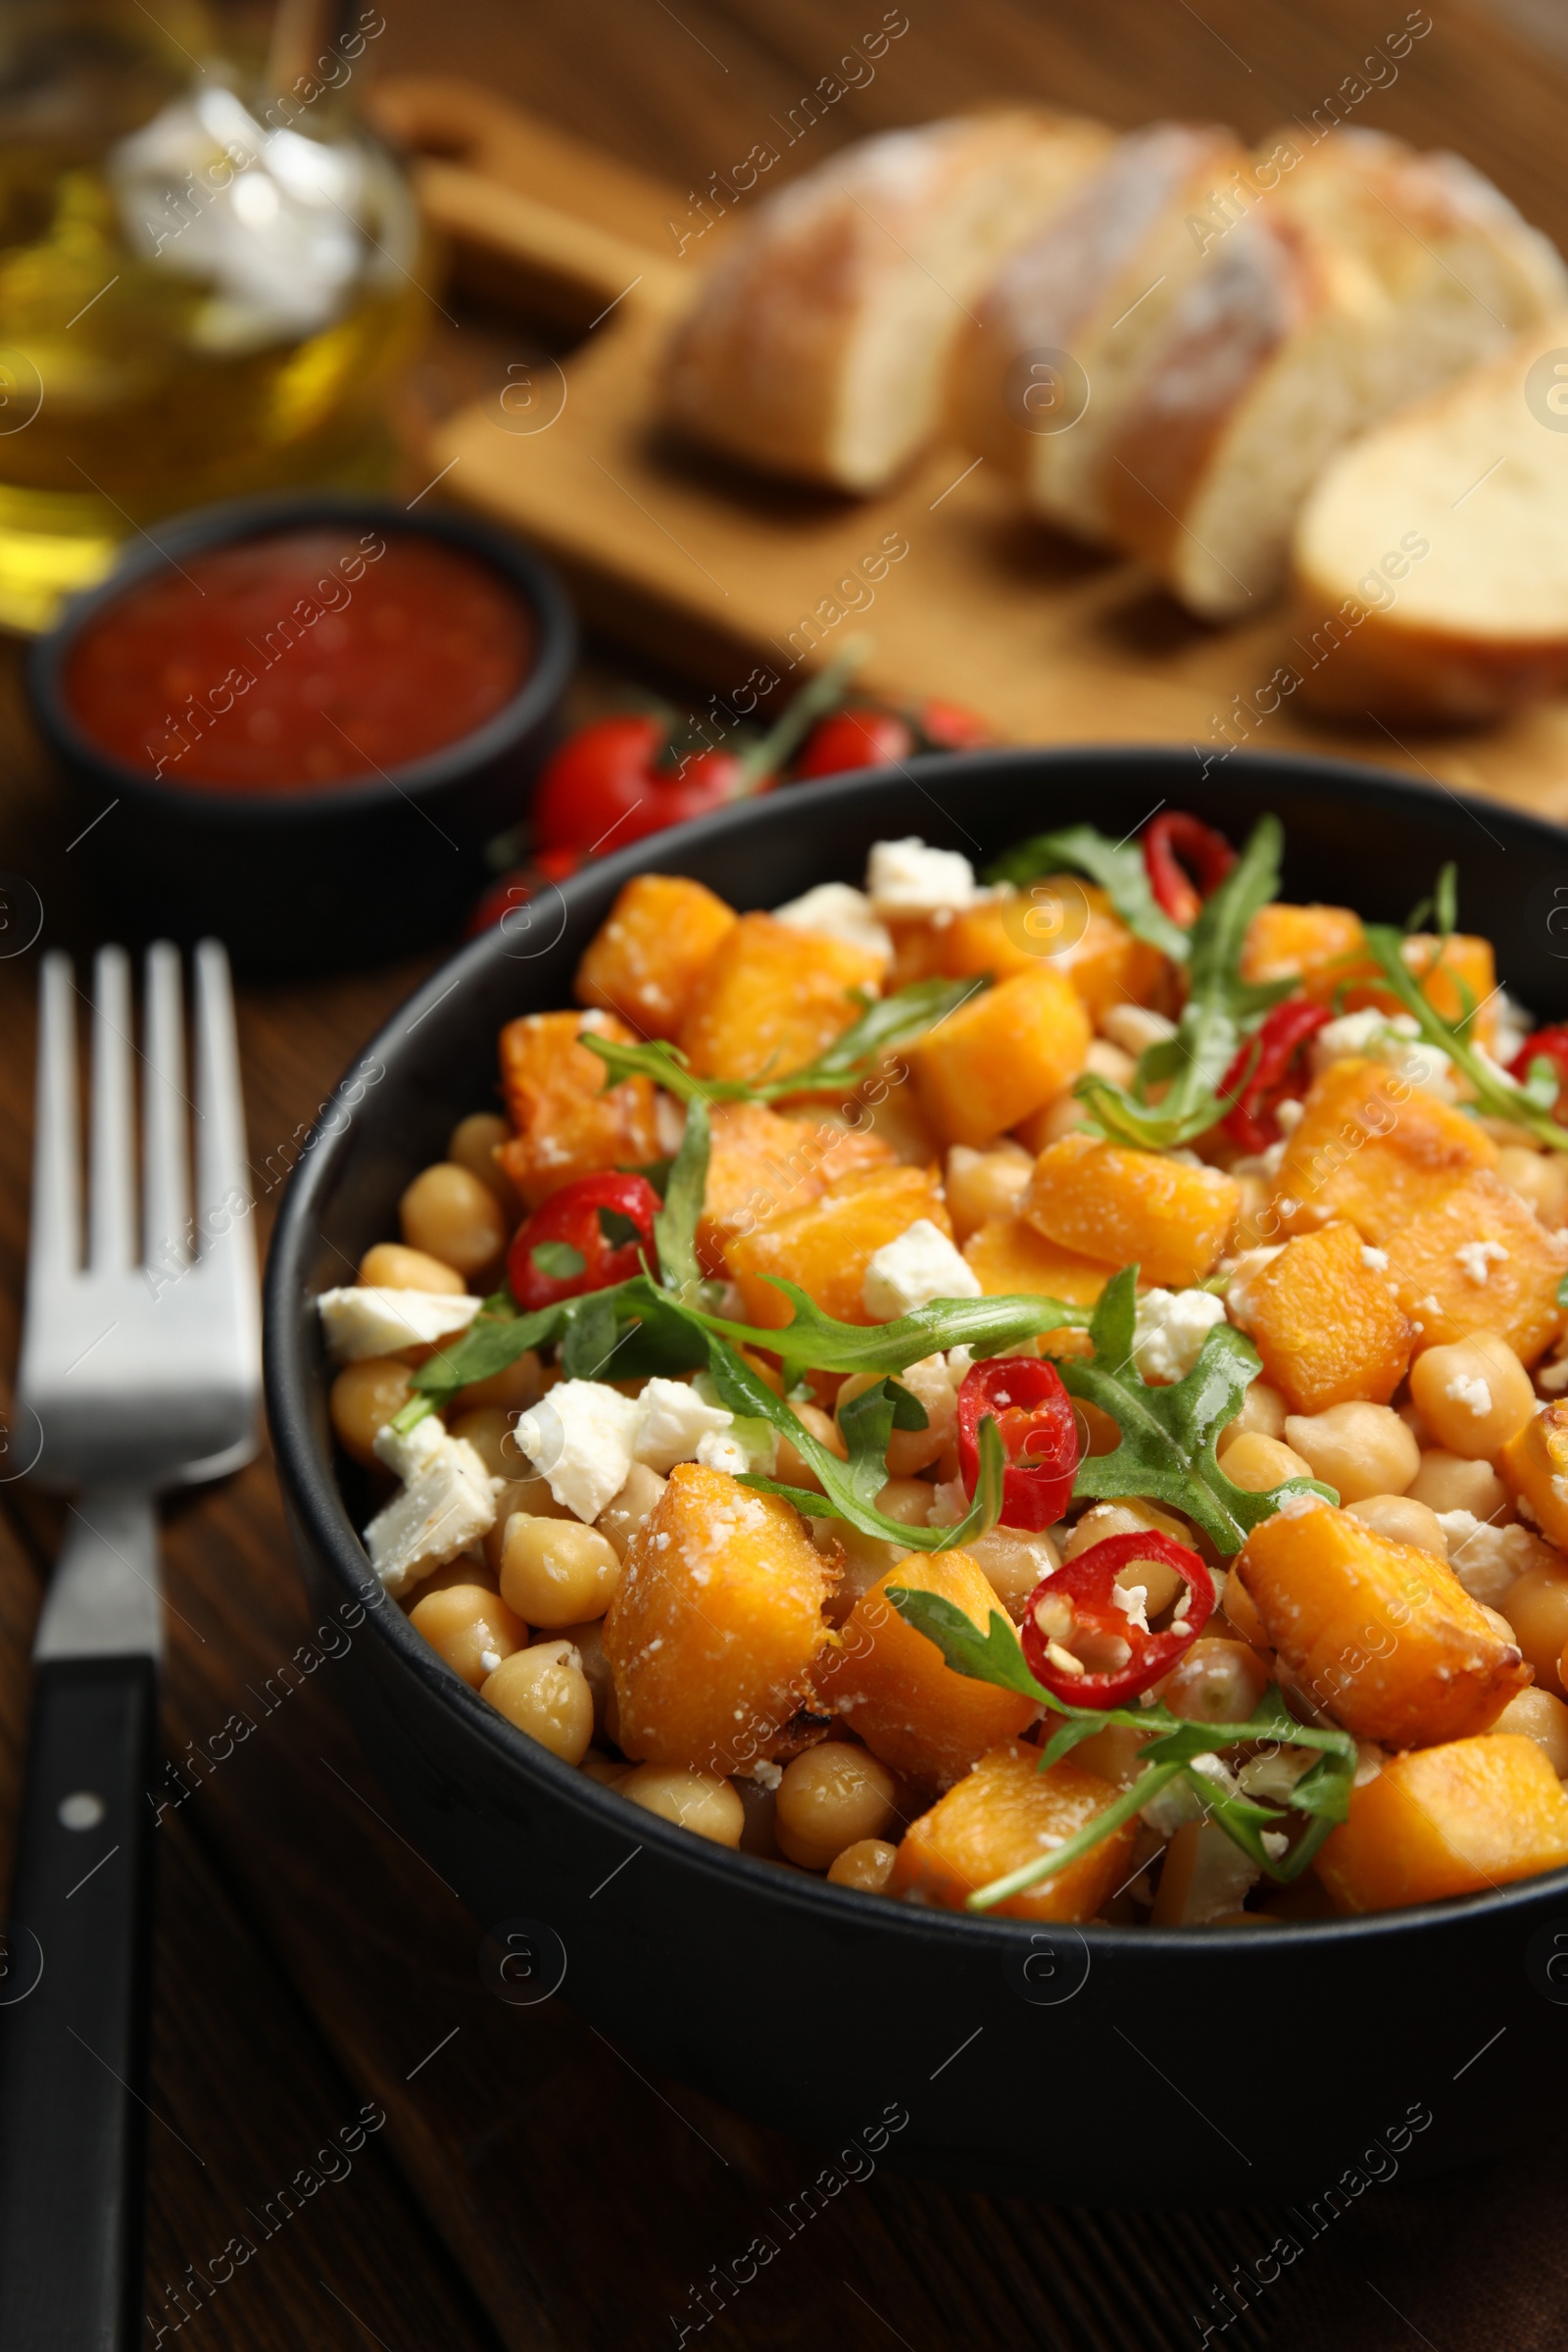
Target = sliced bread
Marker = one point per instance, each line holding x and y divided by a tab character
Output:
1369	275
1096	284
818	346
1431	561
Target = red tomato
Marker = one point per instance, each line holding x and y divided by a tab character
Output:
605	787
858	736
949	727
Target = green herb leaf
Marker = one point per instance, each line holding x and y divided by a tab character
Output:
1118	866
1168	1434
823	1344
558	1261
1445	902
1495	1091
1219	1005
493	1341
675	1224
992	1656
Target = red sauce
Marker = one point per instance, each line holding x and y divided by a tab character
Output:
311	656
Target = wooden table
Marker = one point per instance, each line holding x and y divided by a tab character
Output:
529	2187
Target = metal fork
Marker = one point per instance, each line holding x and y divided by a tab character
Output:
143	1370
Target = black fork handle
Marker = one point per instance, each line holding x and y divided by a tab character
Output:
74	1967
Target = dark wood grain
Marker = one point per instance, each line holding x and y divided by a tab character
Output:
529	2187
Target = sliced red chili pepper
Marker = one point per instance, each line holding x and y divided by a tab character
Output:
569	1223
1544	1044
1072	1614
1023	1395
1257	1079
1174	842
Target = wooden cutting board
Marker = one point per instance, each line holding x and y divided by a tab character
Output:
744	583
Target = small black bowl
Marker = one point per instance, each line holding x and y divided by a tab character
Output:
1114	2065
305	880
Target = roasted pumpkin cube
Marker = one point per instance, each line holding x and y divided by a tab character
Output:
1535	1463
1325	1322
1119	1206
762	1166
827	1246
1003	1814
1299	943
1449	1820
770	999
1061	922
645	958
1003	1054
716	1625
1009	1256
568	1121
1372	1148
1477	1258
895	1688
1381	1635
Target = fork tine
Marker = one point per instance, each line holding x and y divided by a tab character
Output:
166	1187
56	1248
110	1212
221	1166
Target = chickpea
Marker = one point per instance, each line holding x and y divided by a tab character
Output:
472	1628
1538	1177
1535	1714
531	1494
362	1401
868	1864
912	1449
698	1801
1262	1415
1257	1220
791	1468
1116	1753
1216	1682
981	1185
832	1797
1063	1117
1012	1561
468	1568
1447	1482
1159	1579
862	1558
473	1145
447	1212
625	1512
543	1692
557	1572
1240	1613
489	1430
609	1771
1358	1449
1403	1520
1260	1463
388	1266
1473	1396
520	1384
587	1639
1536	1605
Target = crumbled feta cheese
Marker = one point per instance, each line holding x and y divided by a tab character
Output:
1288	1112
905	877
747	1443
1512	1026
1135	1027
674	1420
489	1659
719	1449
1470	1391
1376	1262
1553	1378
1245	1271
579	1438
1133	1602
1394	1039
1303	1501
1477	1258
766	1775
1275	1844
365	1319
1486	1559
949	1504
446	1503
840	911
922	1264
1170	1330
961	1363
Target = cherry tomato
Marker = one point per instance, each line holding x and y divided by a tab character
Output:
861	735
1176	840
539	1268
1544	1044
1072	1612
515	887
605	786
949	727
1033	1412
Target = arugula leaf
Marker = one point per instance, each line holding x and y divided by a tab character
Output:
1118	866
493	1341
884	1023
821	1343
1219	1005
992	1656
1168	1434
676	1223
1494	1090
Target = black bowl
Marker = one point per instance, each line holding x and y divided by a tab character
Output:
1108	2064
308	880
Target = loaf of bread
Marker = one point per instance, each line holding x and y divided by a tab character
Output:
818	346
1367	276
1431	561
1058	344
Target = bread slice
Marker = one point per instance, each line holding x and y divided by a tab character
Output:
1097	283
1367	276
1432	559
818	346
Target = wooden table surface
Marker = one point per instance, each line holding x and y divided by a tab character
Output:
528	2187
